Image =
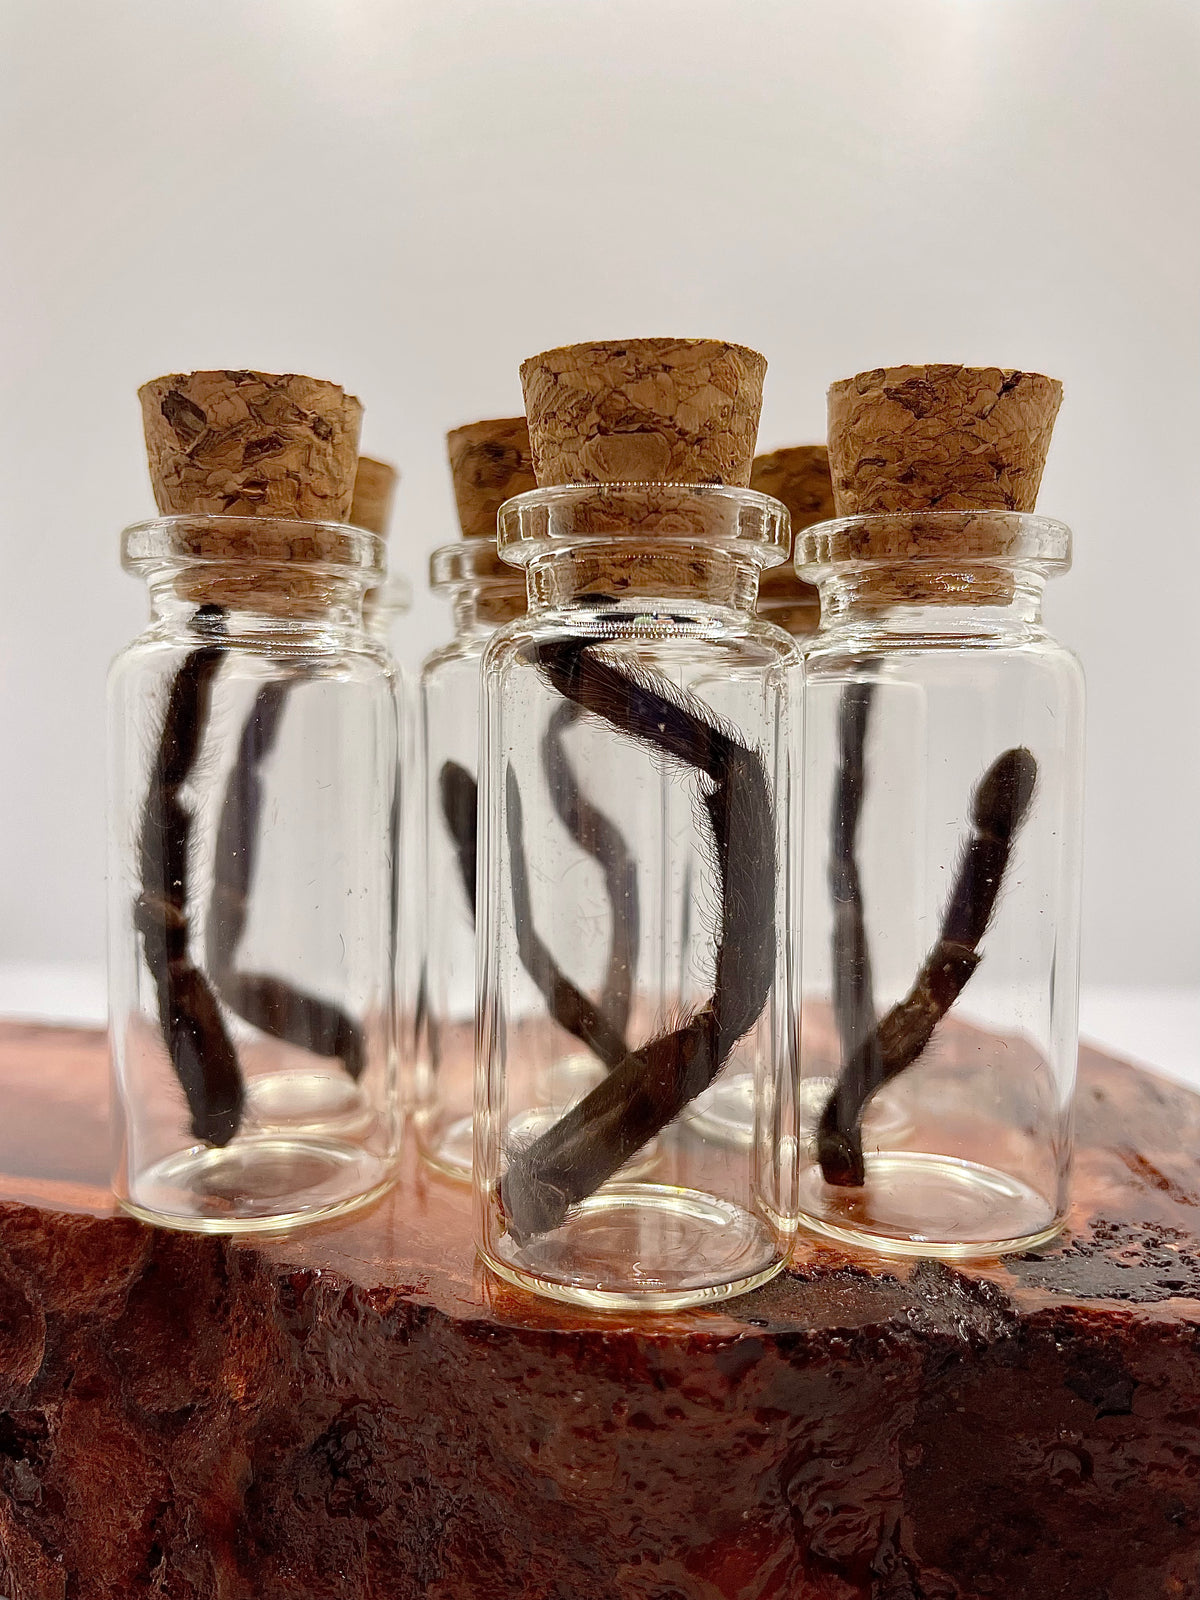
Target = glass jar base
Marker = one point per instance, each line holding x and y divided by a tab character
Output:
917	1204
258	1184
447	1146
644	1247
307	1097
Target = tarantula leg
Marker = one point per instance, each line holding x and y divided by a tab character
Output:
853	990
998	809
596	834
270	1004
651	1086
199	1046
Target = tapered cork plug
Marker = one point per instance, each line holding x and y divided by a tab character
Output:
971	440
251	444
799	477
490	462
644	411
249	447
374	486
940	438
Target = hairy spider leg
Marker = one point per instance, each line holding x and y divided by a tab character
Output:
201	1051
999	806
268	1003
651	1086
600	837
853	989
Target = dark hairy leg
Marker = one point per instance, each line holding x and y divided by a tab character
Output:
651	1086
596	834
998	808
201	1051
268	1003
853	990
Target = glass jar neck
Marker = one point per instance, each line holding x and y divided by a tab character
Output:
656	546
267	579
910	598
675	576
180	605
479	609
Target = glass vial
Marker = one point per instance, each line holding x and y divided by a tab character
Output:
941	869
252	790
483	593
635	742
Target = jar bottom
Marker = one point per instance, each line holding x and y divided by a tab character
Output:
256	1184
446	1146
307	1098
725	1112
639	1246
919	1204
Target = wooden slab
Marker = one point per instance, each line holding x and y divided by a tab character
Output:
354	1410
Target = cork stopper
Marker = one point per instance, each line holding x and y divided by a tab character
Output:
251	444
940	438
799	476
644	411
248	448
963	442
490	462
374	485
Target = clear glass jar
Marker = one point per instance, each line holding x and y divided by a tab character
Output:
252	781
941	868
483	594
633	943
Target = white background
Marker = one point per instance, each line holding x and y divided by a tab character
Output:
408	196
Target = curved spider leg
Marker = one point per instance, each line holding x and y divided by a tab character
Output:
853	989
596	834
201	1051
568	1005
652	1085
999	806
270	1004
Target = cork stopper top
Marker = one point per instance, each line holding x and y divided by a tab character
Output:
259	470
251	444
934	468
799	476
644	411
374	485
490	462
946	438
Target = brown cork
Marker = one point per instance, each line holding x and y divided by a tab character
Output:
644	411
799	476
939	438
251	444
490	462
374	485
249	447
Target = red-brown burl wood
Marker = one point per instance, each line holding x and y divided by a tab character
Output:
353	1412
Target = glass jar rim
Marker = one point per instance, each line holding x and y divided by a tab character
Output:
723	517
939	538
472	560
213	539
